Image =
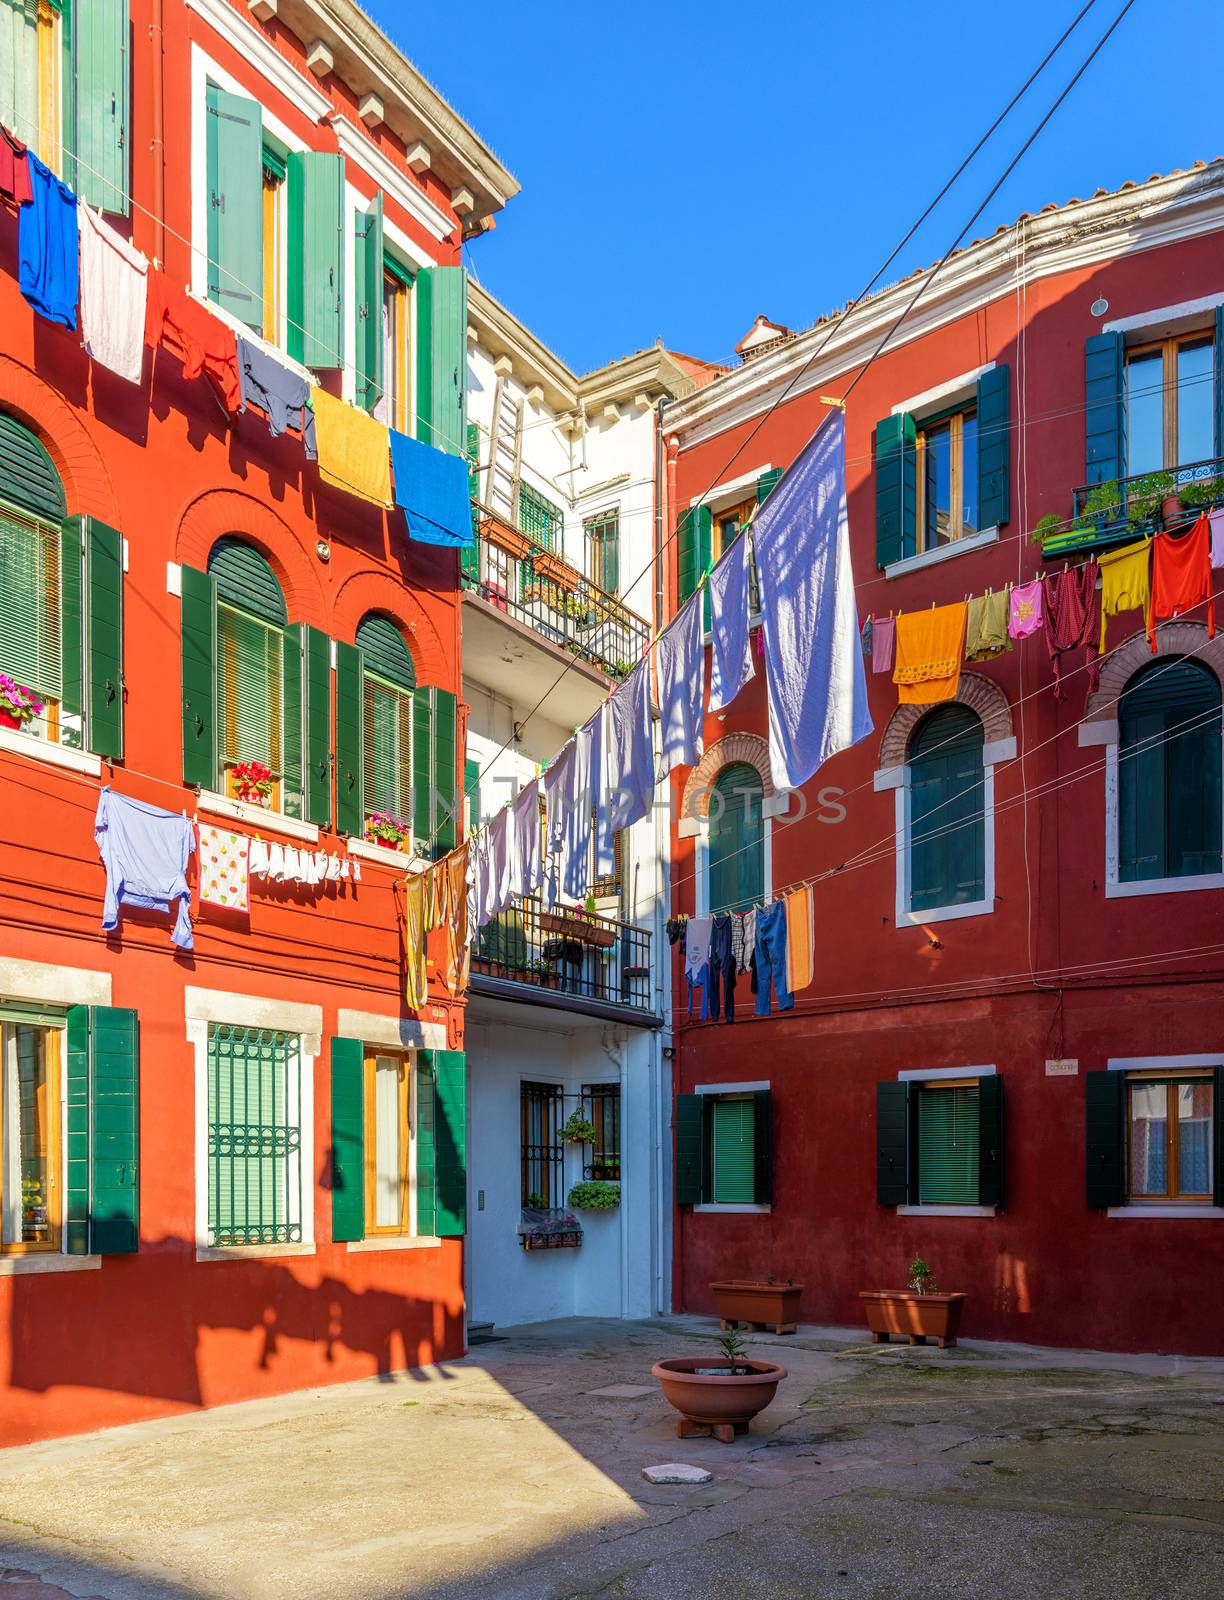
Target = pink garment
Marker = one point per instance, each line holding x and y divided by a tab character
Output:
1025	613
883	644
1216	520
224	864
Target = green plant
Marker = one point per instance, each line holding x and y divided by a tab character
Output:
922	1277
1049	525
1146	494
1104	501
1201	492
577	1130
733	1348
536	1202
595	1195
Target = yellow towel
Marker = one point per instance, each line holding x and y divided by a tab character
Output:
1126	583
930	645
986	632
354	449
415	986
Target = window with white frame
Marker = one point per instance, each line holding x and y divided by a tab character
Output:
254	1136
945	819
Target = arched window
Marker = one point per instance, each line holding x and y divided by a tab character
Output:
737	839
258	711
1169	807
946	835
31	586
388	681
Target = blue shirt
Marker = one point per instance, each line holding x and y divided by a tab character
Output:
48	246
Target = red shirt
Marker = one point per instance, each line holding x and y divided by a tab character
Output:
1181	574
204	343
14	170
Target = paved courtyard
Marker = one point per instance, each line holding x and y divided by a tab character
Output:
879	1472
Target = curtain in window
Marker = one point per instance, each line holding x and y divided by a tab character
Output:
249	678
30	603
388	1156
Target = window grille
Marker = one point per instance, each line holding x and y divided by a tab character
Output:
543	1175
254	1136
601	1105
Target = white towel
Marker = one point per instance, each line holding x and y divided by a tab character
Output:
114	289
680	663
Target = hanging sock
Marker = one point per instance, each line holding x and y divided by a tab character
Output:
1181	575
883	644
1070	605
986	634
930	648
258	858
680	668
1126	584
1025	611
48	240
114	297
730	647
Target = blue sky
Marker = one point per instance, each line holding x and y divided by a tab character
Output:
685	166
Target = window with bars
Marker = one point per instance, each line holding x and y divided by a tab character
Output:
254	1136
543	1155
603	550
601	1104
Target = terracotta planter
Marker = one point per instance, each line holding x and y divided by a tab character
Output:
577	928
760	1305
561	573
715	1402
1171	512
505	537
903	1314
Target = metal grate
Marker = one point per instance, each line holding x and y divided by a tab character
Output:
543	1177
601	1105
595	957
254	1136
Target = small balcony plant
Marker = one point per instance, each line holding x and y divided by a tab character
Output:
595	1195
390	831
18	705
253	782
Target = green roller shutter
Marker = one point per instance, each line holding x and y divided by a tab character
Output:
1219	381
896	484
441	329
690	1149
990	1141
103	639
1104	1139
733	1142
72	630
994	447
235	213
766	484
1217	1108
445	772
948	1140
317	684
367	309
101	1184
892	1143
450	1141
350	778
199	647
694	542
28	478
315	298
348	1139
99	174
293	676
1104	408
762	1154
426	1205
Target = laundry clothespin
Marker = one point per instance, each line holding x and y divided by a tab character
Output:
833	400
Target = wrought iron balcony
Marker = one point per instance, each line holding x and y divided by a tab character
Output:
537	587
1109	514
572	958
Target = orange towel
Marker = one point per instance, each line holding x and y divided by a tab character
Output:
800	938
930	645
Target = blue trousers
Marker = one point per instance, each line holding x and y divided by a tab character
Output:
771	958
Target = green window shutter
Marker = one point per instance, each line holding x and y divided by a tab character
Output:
19	67
762	1153
350	781
990	1141
102	71
367	310
1219	380
1217	1111
441	326
948	1139
386	654
892	1143
736	840
1104	408
104	639
315	294
348	1139
76	1133
114	1131
471	791
245	580
690	1149
896	485
31	648
1169	773
694	544
444	774
994	447
28	479
72	626
292	701
317	685
450	1141
766	484
235	213
947	826
733	1139
426	1205
422	766
199	647
1105	1139
469	554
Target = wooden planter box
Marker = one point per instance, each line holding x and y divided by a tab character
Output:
506	538
564	927
760	1305
560	572
902	1314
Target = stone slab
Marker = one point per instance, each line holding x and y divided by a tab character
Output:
677	1472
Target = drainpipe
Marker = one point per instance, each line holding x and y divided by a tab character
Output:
158	142
660	1082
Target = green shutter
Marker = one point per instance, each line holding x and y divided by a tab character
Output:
450	1141
694	542
103	639
1104	1139
72	629
292	702
348	1139
235	211
948	1140
19	67
469	554
422	767
99	174
76	1133
1217	1111
1104	408
444	773
766	484
199	654
994	447
441	327
892	1143
367	309
762	1154
947	828
736	839
315	298
896	485
990	1141
28	478
1219	381
114	1131
426	1205
734	1145
1169	773
690	1149
245	580
317	684
350	780
471	790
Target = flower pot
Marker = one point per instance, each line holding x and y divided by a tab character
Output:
1171	512
760	1305
713	1401
506	538
9	719
907	1315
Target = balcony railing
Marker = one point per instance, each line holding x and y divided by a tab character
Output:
1108	514
539	588
573	952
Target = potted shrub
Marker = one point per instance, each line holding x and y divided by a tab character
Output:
917	1313
714	1396
760	1303
18	705
578	1129
1047	527
595	1195
252	782
391	832
1151	496
1202	494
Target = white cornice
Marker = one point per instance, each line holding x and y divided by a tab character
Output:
392	181
257	48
